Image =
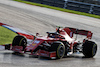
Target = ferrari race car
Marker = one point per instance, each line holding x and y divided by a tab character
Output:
54	45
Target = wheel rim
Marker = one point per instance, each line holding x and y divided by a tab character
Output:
25	42
61	51
94	50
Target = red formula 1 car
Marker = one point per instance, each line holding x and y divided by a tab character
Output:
55	44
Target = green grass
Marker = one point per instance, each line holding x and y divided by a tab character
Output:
60	9
6	36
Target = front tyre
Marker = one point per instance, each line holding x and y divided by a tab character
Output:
20	41
89	49
59	48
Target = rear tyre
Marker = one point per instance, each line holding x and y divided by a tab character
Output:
19	41
59	48
89	49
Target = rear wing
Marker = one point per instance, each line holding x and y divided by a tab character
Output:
81	32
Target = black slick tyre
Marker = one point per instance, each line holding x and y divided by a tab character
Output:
20	41
59	48
89	49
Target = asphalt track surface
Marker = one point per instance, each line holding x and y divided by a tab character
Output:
38	19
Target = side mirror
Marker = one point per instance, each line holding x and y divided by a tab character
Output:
37	34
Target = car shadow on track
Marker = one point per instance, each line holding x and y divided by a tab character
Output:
46	58
18	54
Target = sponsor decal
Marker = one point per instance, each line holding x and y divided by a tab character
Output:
36	41
33	44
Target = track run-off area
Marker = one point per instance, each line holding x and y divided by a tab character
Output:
36	19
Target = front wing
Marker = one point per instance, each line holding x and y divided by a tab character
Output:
44	53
